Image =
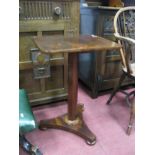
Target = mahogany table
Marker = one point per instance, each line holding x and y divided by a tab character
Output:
73	120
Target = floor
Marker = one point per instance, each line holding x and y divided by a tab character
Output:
108	123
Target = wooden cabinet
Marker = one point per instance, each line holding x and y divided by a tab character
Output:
99	71
45	77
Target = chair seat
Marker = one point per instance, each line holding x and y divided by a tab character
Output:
132	66
27	121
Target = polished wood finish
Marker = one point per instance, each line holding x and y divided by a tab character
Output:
80	44
73	86
73	121
37	18
77	126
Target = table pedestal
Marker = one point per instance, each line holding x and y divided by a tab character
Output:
76	126
73	120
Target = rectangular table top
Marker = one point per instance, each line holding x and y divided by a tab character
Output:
82	43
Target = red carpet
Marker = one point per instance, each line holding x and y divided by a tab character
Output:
108	123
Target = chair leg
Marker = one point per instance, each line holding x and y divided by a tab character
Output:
116	88
132	116
128	97
28	147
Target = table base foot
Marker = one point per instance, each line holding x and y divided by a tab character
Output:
76	126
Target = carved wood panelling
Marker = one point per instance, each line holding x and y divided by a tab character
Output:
48	9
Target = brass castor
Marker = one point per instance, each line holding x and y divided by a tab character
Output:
35	151
91	143
43	128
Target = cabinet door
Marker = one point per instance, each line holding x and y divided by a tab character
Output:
109	67
43	89
45	18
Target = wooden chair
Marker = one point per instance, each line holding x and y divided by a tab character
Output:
124	27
